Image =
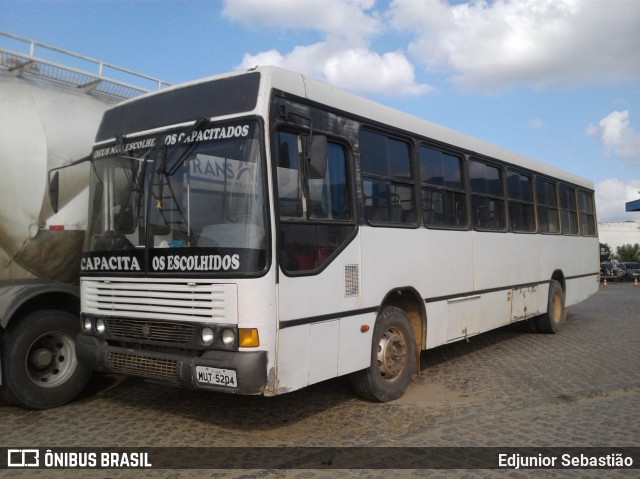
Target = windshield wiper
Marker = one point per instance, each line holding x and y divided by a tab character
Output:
162	191
168	166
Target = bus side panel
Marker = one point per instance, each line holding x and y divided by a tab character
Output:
560	253
525	303
495	310
323	350
502	260
321	293
434	262
257	309
437	324
579	289
577	258
293	358
311	353
458	318
463	317
355	343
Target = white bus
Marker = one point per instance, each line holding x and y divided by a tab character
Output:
260	231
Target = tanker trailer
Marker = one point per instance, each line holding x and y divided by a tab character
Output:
49	116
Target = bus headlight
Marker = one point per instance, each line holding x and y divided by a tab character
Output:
100	326
86	325
206	336
228	337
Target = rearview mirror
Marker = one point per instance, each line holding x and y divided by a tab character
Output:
54	182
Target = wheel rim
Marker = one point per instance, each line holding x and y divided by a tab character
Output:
51	359
392	354
556	308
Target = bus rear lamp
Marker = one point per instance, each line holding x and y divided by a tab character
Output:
100	326
248	338
206	335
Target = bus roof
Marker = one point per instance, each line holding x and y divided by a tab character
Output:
323	93
338	99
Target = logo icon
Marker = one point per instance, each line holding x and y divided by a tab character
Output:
23	458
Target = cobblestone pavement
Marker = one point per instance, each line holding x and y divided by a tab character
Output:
506	388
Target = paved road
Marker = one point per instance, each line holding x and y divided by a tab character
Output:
506	388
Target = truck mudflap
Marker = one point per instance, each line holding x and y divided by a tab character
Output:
236	372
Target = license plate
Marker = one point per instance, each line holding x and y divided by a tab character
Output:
216	376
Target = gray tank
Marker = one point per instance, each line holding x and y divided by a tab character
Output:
43	125
49	117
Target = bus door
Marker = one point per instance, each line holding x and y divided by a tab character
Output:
319	261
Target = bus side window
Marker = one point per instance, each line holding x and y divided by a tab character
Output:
444	200
387	179
547	206
315	214
487	197
587	215
289	185
568	210
521	207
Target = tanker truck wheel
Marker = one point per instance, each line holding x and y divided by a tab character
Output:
40	369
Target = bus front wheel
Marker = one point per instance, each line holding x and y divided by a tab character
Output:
552	321
40	369
392	358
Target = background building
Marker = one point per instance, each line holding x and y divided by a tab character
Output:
619	233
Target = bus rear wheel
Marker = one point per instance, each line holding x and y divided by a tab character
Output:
553	320
392	358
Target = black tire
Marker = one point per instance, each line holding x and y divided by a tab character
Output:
554	319
392	358
40	369
529	325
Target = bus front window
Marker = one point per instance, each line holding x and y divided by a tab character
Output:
202	197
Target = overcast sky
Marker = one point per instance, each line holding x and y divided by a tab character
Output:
557	80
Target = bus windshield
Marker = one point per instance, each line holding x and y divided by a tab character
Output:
200	193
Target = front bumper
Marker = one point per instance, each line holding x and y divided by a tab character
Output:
250	366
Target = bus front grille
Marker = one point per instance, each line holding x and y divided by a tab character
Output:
162	331
146	367
151	299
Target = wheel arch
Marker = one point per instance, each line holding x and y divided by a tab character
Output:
27	298
558	276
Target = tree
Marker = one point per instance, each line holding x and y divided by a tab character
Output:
628	252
